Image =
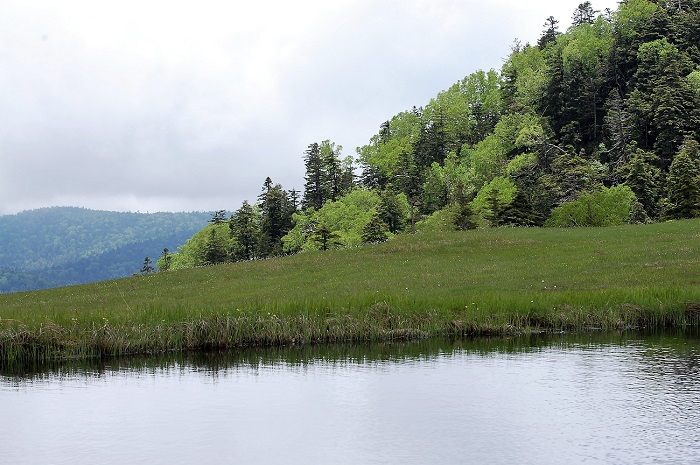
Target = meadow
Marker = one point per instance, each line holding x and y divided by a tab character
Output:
447	284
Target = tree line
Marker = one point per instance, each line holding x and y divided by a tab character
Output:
595	125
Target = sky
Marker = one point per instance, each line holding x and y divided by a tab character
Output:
153	105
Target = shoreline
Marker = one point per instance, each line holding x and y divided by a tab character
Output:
437	284
50	341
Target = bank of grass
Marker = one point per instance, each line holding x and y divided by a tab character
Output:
431	284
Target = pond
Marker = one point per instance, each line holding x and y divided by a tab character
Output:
593	398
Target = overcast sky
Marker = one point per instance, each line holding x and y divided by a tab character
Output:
150	105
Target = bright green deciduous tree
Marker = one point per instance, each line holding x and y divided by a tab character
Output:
515	134
467	111
492	200
295	240
525	76
382	159
630	15
194	251
604	207
346	218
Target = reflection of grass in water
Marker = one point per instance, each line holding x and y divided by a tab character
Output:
218	363
477	282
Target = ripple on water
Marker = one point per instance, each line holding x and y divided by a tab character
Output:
570	399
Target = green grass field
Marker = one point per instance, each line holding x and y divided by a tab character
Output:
429	284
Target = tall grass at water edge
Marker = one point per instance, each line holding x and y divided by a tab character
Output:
432	284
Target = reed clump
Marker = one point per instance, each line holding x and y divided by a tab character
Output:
497	282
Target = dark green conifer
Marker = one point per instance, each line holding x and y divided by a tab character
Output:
325	238
550	34
520	211
147	266
644	178
375	230
276	218
214	249
463	214
390	211
218	217
495	211
166	259
245	229
684	182
313	188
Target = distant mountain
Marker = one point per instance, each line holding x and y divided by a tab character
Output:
60	246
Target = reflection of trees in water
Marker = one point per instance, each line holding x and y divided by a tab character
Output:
671	360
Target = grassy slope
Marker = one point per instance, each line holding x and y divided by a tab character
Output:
473	282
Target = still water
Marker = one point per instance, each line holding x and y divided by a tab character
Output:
600	398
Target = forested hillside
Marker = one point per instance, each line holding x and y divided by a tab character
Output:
596	124
53	247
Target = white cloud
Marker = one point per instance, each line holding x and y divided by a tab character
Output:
155	105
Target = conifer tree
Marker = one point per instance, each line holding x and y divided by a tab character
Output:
276	218
245	229
584	13
347	175
332	172
431	146
313	188
550	34
662	102
618	125
218	217
375	230
325	238
384	132
463	214
684	182
644	178
267	185
390	211
520	211
147	266
573	174
214	249
294	205
408	179
165	260
493	215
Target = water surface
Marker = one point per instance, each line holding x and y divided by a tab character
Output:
597	398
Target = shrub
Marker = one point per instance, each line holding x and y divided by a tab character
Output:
605	207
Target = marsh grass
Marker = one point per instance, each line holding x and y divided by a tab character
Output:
501	281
